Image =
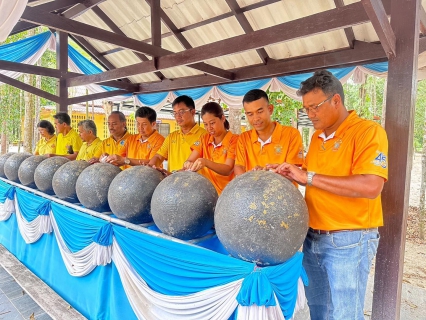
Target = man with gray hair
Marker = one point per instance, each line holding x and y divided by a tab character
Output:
91	144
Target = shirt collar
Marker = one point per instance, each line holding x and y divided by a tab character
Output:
225	140
193	130
275	137
150	138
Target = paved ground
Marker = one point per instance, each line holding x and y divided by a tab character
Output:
24	296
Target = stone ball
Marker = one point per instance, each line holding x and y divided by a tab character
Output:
93	183
65	179
27	170
261	217
183	205
44	173
130	193
3	159
12	164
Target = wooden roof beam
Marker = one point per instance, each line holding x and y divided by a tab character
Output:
379	19
422	15
245	24
315	24
80	8
349	32
96	96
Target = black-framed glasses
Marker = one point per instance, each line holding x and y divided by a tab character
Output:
315	109
180	113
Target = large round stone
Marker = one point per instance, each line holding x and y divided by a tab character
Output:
130	193
12	164
93	183
3	159
183	205
65	179
27	170
261	217
44	173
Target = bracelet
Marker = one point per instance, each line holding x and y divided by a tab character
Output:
140	162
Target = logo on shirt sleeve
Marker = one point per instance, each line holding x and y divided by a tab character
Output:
381	160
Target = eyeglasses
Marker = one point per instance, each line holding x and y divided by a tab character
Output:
315	109
180	113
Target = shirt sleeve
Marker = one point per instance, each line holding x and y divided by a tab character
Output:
371	153
164	149
76	144
100	150
295	149
157	146
232	147
37	149
240	153
199	147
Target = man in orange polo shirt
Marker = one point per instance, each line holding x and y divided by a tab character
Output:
269	142
140	148
115	143
344	173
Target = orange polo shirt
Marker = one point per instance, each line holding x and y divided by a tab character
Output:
359	146
110	146
285	146
136	148
177	146
219	154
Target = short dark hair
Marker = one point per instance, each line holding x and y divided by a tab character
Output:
63	117
323	80
146	112
216	110
120	114
46	125
254	95
187	100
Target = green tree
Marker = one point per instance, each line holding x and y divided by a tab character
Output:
285	108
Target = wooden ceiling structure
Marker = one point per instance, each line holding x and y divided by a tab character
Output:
398	26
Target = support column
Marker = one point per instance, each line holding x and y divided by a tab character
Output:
62	65
400	103
234	119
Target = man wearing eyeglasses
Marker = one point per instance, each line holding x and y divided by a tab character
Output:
177	147
268	143
344	172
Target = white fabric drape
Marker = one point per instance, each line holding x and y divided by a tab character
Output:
82	262
6	209
32	231
10	12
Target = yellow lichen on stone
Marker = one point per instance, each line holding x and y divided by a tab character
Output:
284	225
296	214
251	218
186	184
265	205
253	206
261	222
265	212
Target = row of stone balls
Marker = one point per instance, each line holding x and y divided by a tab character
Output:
259	217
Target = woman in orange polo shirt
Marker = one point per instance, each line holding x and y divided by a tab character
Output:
214	155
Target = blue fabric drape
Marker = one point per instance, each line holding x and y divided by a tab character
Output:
23	49
195	93
104	236
241	88
77	228
6	191
152	99
377	67
30	205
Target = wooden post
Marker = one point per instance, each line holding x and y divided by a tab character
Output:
62	66
401	93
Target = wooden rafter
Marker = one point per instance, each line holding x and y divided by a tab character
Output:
96	96
349	32
422	16
318	23
362	53
245	24
80	8
380	22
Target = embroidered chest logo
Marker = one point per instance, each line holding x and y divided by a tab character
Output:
300	154
337	145
196	143
225	151
278	149
380	160
148	146
121	143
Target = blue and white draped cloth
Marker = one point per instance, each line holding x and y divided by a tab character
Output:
31	49
153	277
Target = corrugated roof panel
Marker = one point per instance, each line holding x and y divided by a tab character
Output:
365	32
238	60
179	72
188	12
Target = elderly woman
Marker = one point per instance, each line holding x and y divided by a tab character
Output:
47	143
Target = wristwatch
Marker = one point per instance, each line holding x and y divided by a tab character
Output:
126	161
310	178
